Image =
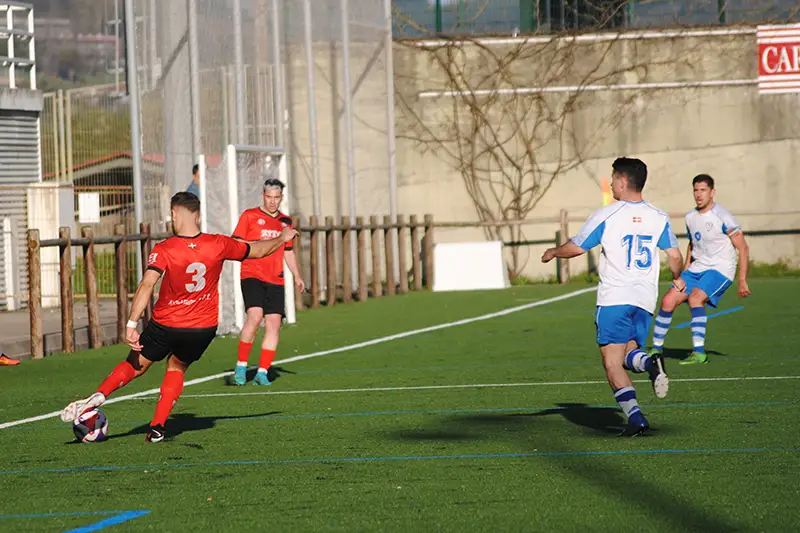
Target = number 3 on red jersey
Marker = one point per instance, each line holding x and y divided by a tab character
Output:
197	271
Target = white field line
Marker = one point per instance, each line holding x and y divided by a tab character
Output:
347	348
474	386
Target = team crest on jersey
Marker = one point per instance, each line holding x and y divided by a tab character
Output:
192	245
637	220
152	258
709	226
261	221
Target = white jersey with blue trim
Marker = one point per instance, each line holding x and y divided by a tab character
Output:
631	234
710	233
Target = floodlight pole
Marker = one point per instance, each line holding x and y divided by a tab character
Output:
132	84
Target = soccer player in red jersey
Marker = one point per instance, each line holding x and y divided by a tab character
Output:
262	282
186	314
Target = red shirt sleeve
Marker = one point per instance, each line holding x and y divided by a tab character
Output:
158	259
240	232
234	250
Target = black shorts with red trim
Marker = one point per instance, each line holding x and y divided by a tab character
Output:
187	344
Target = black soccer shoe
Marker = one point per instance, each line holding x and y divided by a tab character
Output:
156	434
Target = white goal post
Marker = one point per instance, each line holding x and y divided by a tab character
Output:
228	189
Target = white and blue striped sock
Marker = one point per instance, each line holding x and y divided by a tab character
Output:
663	320
699	320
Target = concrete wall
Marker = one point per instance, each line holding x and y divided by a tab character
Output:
749	143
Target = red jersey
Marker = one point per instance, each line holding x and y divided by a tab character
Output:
189	296
256	225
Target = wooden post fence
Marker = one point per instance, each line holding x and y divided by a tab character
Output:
35	297
377	289
416	254
347	267
147	246
67	312
402	255
315	300
121	273
297	246
361	237
330	262
90	278
429	251
388	241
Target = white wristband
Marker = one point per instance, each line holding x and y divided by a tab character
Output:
133	324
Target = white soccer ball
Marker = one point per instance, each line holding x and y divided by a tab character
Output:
91	426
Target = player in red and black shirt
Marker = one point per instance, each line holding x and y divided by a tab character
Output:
186	314
262	282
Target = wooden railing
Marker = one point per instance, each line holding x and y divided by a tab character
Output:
382	235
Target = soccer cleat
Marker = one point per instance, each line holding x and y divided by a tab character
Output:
240	376
156	434
655	351
78	407
695	358
637	425
658	376
7	361
262	379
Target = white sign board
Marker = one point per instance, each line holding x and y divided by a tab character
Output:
778	59
469	266
89	207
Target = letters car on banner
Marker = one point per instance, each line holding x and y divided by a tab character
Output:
778	59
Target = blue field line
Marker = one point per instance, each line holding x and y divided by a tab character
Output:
128	423
323	460
720	313
117	517
108	522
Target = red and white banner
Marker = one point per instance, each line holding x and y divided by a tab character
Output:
778	58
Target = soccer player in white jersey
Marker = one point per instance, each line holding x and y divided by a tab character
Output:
631	232
715	237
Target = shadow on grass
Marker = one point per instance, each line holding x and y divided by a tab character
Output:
184	422
683	353
613	476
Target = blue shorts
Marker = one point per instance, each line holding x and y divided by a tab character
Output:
711	282
619	324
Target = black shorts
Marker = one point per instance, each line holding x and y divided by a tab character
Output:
267	296
188	345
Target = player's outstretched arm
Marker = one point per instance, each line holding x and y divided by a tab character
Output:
675	260
567	250
259	249
688	261
142	297
737	238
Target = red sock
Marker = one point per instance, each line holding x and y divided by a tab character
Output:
267	356
171	389
244	351
122	374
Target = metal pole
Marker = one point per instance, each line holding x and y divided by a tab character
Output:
348	132
153	45
280	119
280	111
132	82
70	160
116	40
62	134
239	71
390	129
194	79
316	188
312	109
